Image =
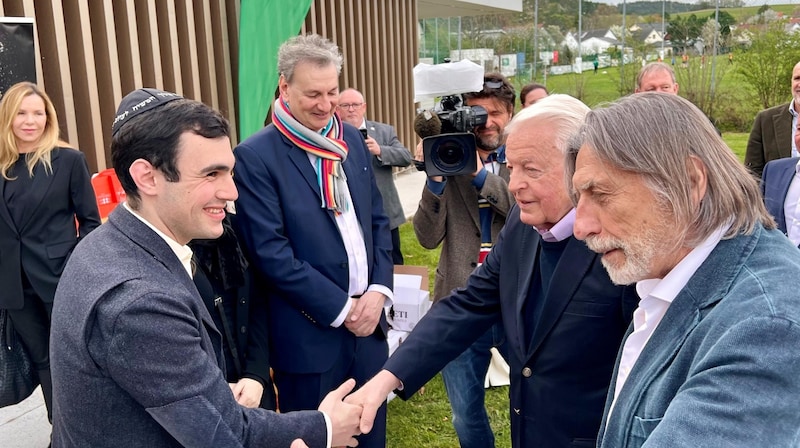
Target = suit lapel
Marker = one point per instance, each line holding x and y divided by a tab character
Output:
5	215
303	165
41	183
784	181
526	263
572	267
469	196
783	132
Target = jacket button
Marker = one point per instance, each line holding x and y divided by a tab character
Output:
474	264
243	329
526	372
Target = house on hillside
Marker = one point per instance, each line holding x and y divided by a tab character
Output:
592	42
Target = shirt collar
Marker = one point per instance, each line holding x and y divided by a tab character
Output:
498	155
561	231
363	124
667	288
792	109
184	253
797	167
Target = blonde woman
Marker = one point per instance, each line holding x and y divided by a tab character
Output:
45	190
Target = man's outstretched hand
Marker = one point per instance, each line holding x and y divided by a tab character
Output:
345	416
371	396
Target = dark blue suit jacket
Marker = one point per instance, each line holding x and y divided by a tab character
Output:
559	380
775	181
296	249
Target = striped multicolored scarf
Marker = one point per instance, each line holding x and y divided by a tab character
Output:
328	145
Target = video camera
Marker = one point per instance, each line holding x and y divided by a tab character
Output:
447	142
448	146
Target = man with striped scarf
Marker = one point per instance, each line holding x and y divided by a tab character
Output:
312	222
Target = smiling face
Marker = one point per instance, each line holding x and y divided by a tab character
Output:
29	123
194	206
490	136
537	174
312	94
619	217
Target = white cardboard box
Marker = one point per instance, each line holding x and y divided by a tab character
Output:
411	297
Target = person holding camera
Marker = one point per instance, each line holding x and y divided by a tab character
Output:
465	214
387	152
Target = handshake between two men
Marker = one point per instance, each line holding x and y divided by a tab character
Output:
354	414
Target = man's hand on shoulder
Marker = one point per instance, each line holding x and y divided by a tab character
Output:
365	314
345	417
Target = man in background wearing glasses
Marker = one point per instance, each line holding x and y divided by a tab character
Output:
387	152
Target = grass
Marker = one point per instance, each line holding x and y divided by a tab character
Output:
424	420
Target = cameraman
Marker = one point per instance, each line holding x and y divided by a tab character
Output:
464	214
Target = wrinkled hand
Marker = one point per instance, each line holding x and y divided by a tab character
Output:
345	417
298	443
372	395
373	146
247	392
365	313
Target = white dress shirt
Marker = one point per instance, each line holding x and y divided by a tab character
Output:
356	248
656	296
183	252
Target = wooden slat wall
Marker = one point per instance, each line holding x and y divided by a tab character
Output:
378	39
91	53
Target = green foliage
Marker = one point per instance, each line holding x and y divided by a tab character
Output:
767	65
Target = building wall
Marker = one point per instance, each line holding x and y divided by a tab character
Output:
379	42
90	53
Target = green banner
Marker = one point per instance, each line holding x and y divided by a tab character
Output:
263	26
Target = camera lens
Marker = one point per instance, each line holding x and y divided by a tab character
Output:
450	153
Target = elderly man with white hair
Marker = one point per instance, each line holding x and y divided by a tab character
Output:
563	317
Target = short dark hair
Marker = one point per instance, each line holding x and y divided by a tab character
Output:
495	85
528	88
154	136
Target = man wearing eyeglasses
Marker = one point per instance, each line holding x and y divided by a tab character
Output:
465	214
387	152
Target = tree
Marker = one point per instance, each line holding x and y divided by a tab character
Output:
685	30
767	64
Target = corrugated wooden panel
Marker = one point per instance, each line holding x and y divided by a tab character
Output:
378	39
92	53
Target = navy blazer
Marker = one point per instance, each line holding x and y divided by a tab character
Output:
41	245
775	181
558	381
295	247
135	354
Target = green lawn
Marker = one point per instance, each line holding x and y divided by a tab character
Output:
424	420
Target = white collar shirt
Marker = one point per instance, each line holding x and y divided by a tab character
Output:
183	252
561	230
656	297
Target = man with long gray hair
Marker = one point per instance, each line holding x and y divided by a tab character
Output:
712	357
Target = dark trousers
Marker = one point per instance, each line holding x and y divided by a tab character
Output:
397	254
361	359
32	323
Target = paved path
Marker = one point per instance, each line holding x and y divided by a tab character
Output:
25	425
